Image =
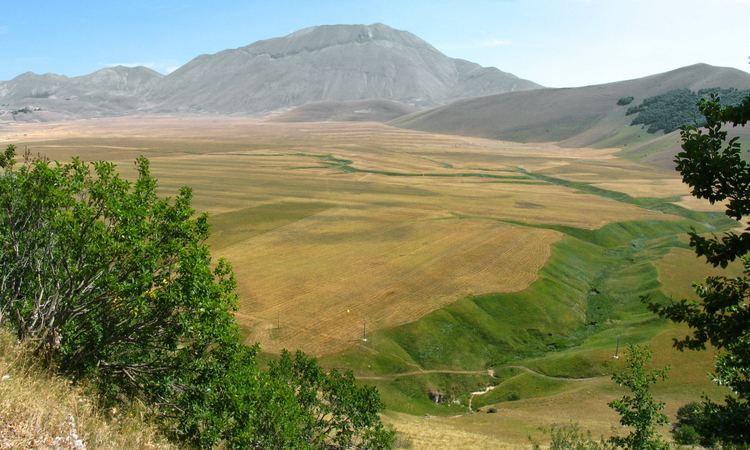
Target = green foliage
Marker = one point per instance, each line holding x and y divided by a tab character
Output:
685	430
111	283
106	278
677	108
715	170
686	435
639	411
335	412
571	437
622	101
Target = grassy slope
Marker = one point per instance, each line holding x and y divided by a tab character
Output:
574	116
39	410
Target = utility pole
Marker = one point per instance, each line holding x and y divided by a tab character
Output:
617	349
364	331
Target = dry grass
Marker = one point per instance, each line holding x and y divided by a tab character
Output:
698	204
680	268
42	411
437	433
326	276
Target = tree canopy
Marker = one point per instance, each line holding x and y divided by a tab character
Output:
713	166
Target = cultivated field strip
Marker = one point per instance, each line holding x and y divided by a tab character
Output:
393	269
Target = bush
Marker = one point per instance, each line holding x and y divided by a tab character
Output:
571	437
625	100
638	410
686	435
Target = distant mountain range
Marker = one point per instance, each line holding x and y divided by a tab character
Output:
110	91
366	72
332	63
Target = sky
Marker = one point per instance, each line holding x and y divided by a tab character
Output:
555	43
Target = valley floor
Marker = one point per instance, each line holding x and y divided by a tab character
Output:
432	262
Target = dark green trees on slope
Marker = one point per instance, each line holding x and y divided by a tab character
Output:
110	283
715	170
673	109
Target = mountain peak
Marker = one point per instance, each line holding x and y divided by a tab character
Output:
338	63
324	36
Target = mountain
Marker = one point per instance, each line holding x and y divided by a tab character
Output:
585	116
112	90
332	63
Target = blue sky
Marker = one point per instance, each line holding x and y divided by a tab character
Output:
552	42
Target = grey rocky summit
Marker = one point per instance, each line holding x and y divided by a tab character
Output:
331	63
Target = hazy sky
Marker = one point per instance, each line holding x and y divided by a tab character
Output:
552	42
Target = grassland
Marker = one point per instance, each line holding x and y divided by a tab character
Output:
465	262
39	410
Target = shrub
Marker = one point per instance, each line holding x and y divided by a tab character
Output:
625	100
686	435
571	437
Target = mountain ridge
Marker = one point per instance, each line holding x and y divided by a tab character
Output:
327	63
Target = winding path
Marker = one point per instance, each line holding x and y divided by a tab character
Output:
489	372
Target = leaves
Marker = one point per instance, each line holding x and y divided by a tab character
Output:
716	170
639	410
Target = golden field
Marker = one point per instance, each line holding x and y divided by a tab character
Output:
324	254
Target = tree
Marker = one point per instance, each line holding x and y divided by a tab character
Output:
715	170
111	283
104	277
639	410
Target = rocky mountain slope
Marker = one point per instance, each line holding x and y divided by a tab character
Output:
113	90
328	63
332	63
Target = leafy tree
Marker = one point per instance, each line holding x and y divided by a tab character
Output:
105	277
639	411
715	170
114	284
